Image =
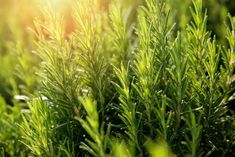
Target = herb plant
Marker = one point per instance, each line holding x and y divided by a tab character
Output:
134	78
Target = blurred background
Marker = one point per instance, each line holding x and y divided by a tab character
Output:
18	63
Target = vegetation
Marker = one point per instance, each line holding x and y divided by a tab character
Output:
117	78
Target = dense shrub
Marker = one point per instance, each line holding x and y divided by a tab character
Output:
119	78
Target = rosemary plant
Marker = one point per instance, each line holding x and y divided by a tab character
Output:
114	76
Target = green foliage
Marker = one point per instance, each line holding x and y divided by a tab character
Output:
115	78
38	125
9	131
160	149
91	125
17	74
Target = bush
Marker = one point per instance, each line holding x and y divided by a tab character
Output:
137	78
